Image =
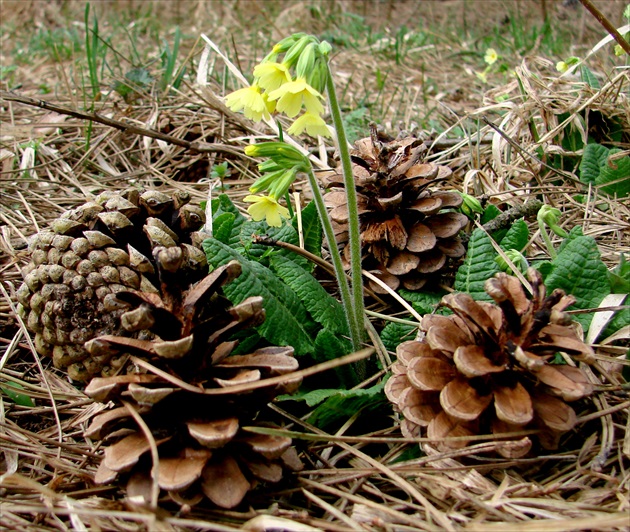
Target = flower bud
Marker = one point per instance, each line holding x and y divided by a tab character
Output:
306	61
517	258
470	206
550	217
293	54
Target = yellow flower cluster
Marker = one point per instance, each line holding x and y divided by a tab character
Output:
276	89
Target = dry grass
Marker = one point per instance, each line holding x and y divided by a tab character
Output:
352	482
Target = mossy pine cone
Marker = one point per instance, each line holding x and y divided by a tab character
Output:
491	368
409	229
93	252
194	397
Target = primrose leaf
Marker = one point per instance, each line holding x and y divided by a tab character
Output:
346	403
478	266
593	158
516	237
490	213
579	271
312	397
287	320
616	172
284	233
324	308
224	204
329	345
222	226
393	334
10	388
311	229
589	78
423	302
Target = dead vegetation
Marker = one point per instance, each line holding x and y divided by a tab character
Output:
356	477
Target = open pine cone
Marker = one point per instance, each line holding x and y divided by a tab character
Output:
489	368
91	253
194	397
407	232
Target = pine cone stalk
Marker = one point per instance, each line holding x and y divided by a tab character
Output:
492	368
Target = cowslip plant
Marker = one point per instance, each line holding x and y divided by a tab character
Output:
549	217
291	80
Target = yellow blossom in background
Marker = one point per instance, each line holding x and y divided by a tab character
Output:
312	123
291	96
561	66
271	75
268	208
250	100
491	56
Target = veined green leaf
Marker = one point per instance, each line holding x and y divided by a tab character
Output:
311	229
329	346
516	237
287	320
617	173
579	271
589	78
259	252
573	234
222	227
593	158
423	302
393	334
478	266
324	308
224	204
346	403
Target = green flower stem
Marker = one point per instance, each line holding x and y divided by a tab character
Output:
344	288
353	210
545	235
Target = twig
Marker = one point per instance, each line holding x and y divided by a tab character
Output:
195	146
601	18
505	219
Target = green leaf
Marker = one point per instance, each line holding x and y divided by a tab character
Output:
329	346
311	229
573	234
17	397
620	319
490	213
324	308
545	267
593	158
620	277
224	204
346	403
423	302
579	271
312	397
287	321
259	252
393	334
222	227
516	237
617	170
589	78
478	266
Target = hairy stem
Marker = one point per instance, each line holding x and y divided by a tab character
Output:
353	210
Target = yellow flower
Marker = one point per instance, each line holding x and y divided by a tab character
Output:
250	100
268	208
271	75
313	124
292	95
491	56
561	66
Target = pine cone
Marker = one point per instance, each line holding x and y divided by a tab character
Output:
194	398
489	368
406	234
93	252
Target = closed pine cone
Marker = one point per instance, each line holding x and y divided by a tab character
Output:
91	253
488	368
